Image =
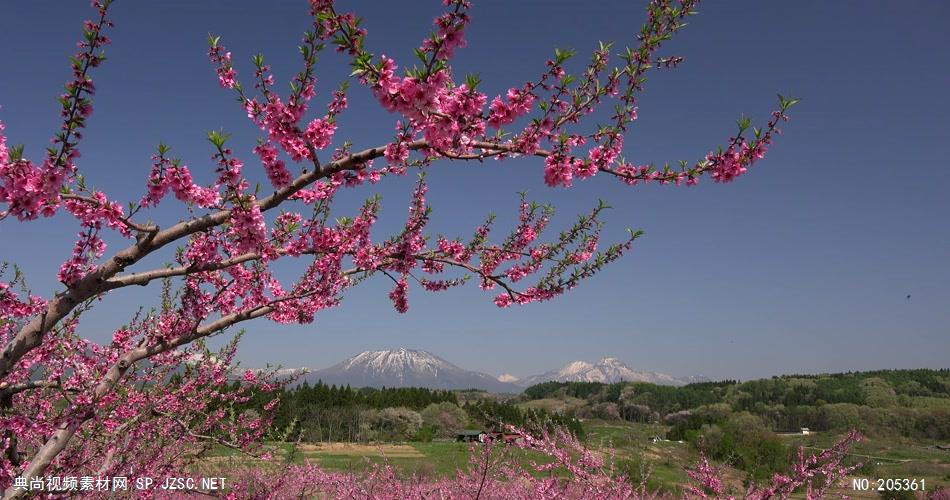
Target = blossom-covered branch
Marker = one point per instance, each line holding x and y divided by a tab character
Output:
231	232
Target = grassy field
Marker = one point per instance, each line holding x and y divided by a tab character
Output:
630	447
560	406
431	459
891	458
627	445
661	464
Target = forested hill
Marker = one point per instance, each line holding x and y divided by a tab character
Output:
910	403
879	388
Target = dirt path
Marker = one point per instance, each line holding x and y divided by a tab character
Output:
382	449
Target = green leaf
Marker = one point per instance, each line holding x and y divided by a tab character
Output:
421	55
16	152
218	138
743	123
562	55
472	81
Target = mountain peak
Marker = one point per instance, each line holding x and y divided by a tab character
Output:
396	362
575	367
404	367
608	370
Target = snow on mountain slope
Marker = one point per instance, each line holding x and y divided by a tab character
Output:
607	370
406	368
415	368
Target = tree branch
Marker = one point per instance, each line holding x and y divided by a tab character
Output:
93	284
127	220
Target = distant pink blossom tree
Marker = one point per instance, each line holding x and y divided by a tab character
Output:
72	407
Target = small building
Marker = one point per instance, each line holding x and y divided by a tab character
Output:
802	431
476	436
504	437
470	436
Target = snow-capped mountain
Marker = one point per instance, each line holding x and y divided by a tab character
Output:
406	368
607	370
288	372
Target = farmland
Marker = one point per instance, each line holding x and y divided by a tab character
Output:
629	446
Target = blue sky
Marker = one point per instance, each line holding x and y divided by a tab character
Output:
803	265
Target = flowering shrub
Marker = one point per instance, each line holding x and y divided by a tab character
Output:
71	406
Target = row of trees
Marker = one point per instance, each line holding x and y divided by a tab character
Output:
324	395
322	412
661	398
879	388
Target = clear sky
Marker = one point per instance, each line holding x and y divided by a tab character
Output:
803	265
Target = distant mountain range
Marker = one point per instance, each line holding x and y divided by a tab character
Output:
415	368
607	370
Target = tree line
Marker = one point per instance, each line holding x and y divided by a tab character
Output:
911	403
322	413
738	421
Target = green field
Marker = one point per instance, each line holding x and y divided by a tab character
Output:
430	460
892	458
629	446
